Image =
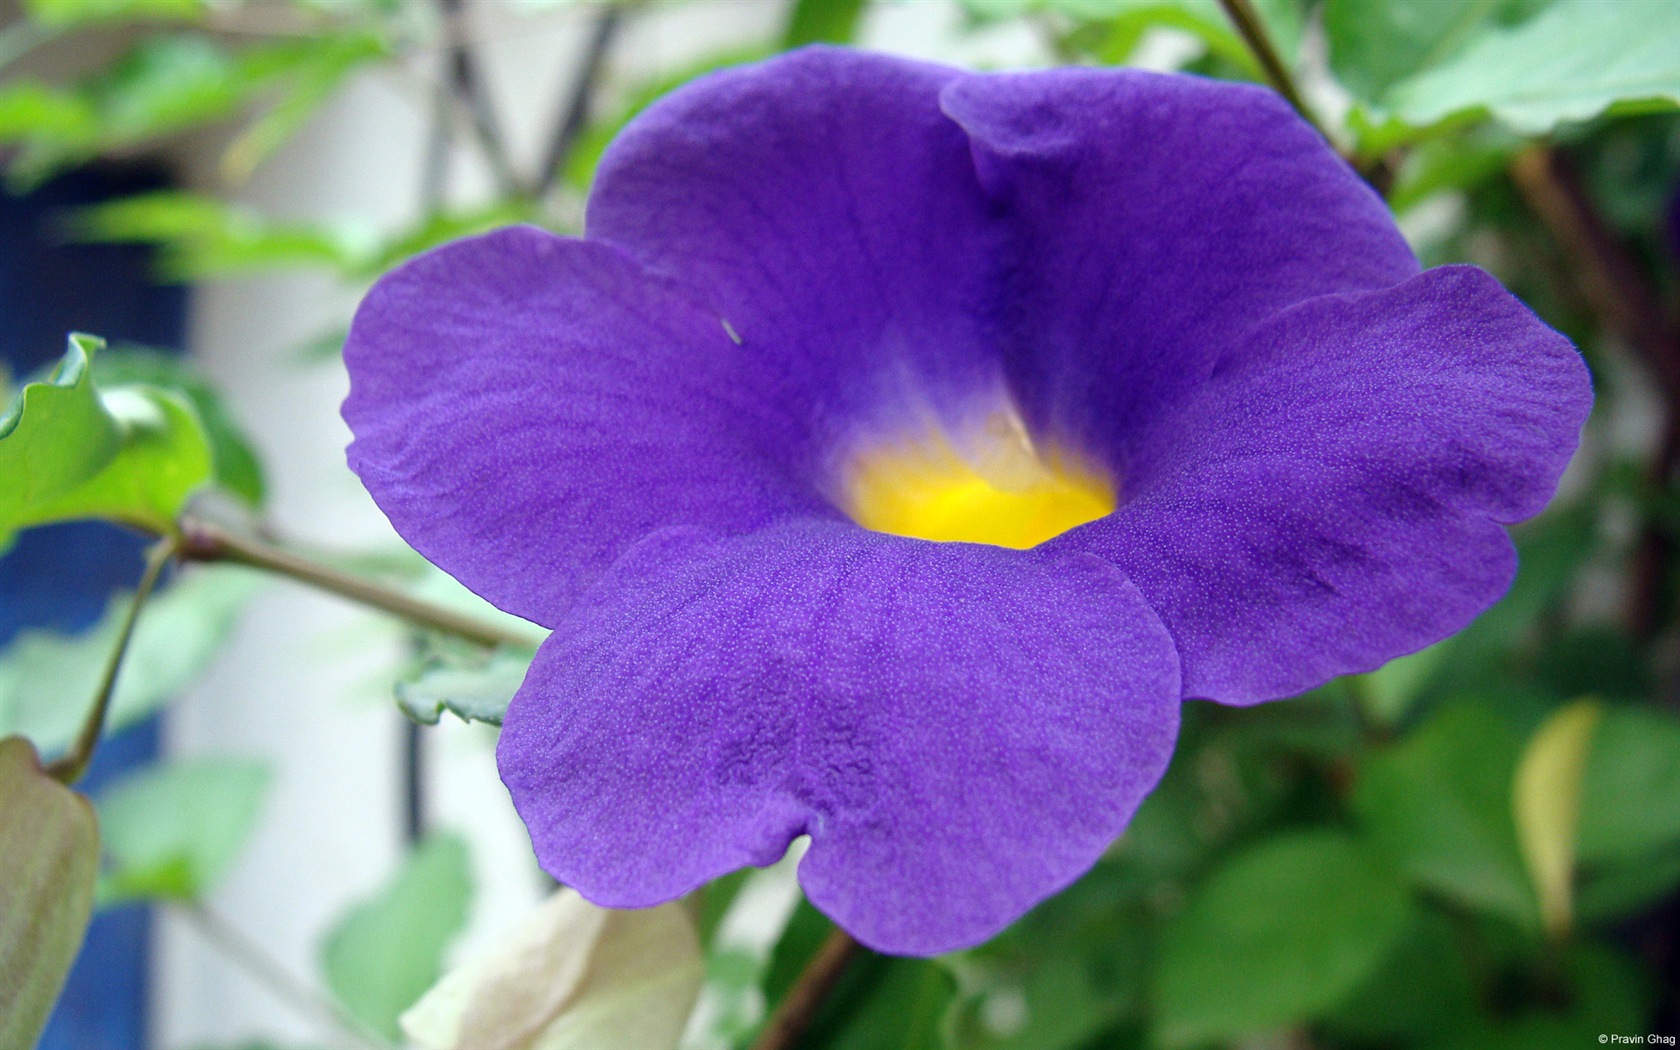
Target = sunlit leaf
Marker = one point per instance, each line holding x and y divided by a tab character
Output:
1571	62
1279	934
311	71
1546	802
237	468
64	13
204	236
49	851
172	830
48	679
29	108
1376	43
822	22
382	956
132	453
572	977
167	83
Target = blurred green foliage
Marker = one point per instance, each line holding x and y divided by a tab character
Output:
1353	868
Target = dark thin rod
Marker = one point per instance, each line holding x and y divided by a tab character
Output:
792	1019
1246	21
580	96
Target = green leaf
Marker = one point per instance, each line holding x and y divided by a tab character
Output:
203	236
1546	801
438	229
900	1005
1279	934
49	852
580	168
738	954
1110	32
1618	890
1573	61
1071	970
48	679
1390	691
1422	989
473	685
388	950
1376	43
132	454
822	22
68	13
172	830
312	70
30	109
1599	992
1630	794
572	977
237	468
56	435
1439	803
167	83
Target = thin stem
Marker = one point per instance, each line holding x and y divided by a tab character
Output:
581	95
1625	301
1610	277
467	88
271	974
1246	21
69	768
802	1002
202	541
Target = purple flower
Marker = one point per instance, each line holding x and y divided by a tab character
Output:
1143	340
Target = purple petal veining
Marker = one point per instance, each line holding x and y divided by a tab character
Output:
634	438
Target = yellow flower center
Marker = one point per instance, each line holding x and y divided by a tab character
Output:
997	489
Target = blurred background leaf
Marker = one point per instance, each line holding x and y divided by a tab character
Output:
171	831
48	679
382	956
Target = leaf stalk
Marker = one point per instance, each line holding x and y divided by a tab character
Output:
69	768
1246	21
202	541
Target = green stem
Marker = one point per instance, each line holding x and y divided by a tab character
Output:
202	541
69	768
1246	21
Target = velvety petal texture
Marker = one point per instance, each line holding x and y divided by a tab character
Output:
960	729
827	208
1150	220
526	406
1332	497
642	439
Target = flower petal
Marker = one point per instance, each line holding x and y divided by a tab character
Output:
823	204
1333	497
960	729
1152	220
526	406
